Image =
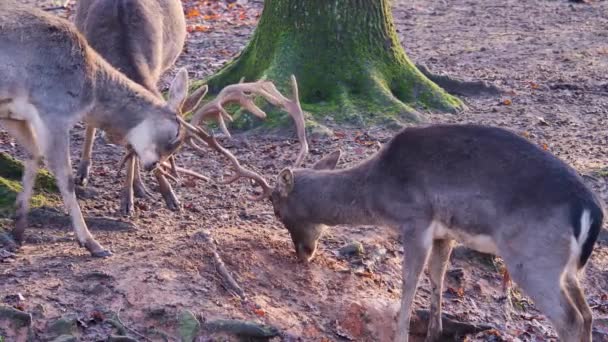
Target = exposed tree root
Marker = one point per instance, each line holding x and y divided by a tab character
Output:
459	87
242	328
229	281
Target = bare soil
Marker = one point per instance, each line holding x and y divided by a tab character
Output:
551	57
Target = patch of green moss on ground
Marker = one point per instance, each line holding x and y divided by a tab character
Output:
11	171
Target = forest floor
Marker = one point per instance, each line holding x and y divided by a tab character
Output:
551	56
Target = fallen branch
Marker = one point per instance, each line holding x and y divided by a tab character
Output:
221	267
460	87
242	328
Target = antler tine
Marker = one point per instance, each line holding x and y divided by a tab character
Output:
240	171
295	110
293	107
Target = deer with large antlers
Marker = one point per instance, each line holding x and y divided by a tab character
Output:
50	78
484	187
142	39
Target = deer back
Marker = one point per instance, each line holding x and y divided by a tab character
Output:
141	38
44	60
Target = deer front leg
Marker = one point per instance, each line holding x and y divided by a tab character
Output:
165	189
84	167
139	189
126	203
438	262
58	159
22	131
417	242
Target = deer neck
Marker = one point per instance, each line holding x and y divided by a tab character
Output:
120	103
339	196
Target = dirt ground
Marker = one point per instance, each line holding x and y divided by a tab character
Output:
552	56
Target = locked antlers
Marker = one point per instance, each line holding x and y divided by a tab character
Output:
243	93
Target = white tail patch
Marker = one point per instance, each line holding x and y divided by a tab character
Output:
576	245
585	226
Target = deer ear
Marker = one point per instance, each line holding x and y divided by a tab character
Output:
194	99
285	182
178	90
328	162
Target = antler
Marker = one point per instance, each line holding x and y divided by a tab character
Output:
239	171
242	93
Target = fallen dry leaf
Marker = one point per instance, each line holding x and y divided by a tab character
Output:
193	13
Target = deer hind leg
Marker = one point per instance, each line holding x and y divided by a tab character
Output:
417	243
437	264
542	278
167	192
578	297
126	206
84	167
22	131
58	160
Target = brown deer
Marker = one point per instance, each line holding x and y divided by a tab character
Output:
50	78
142	39
484	187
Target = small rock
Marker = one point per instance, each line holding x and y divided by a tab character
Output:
354	248
23	319
63	326
189	326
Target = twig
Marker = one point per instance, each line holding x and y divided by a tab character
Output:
130	329
221	267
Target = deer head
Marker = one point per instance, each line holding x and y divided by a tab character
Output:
295	214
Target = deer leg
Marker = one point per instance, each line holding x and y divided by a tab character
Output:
541	278
58	160
139	189
578	297
22	131
84	167
126	204
165	189
437	264
416	245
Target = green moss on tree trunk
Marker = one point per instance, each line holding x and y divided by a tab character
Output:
11	171
346	56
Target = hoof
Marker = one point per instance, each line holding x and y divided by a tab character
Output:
96	250
172	202
126	208
140	190
101	254
82	175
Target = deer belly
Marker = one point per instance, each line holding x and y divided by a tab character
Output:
479	242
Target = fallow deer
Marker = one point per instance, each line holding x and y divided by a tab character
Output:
484	187
50	78
142	39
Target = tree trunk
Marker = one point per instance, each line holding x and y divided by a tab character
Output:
346	56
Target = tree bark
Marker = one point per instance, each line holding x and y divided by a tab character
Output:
346	56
